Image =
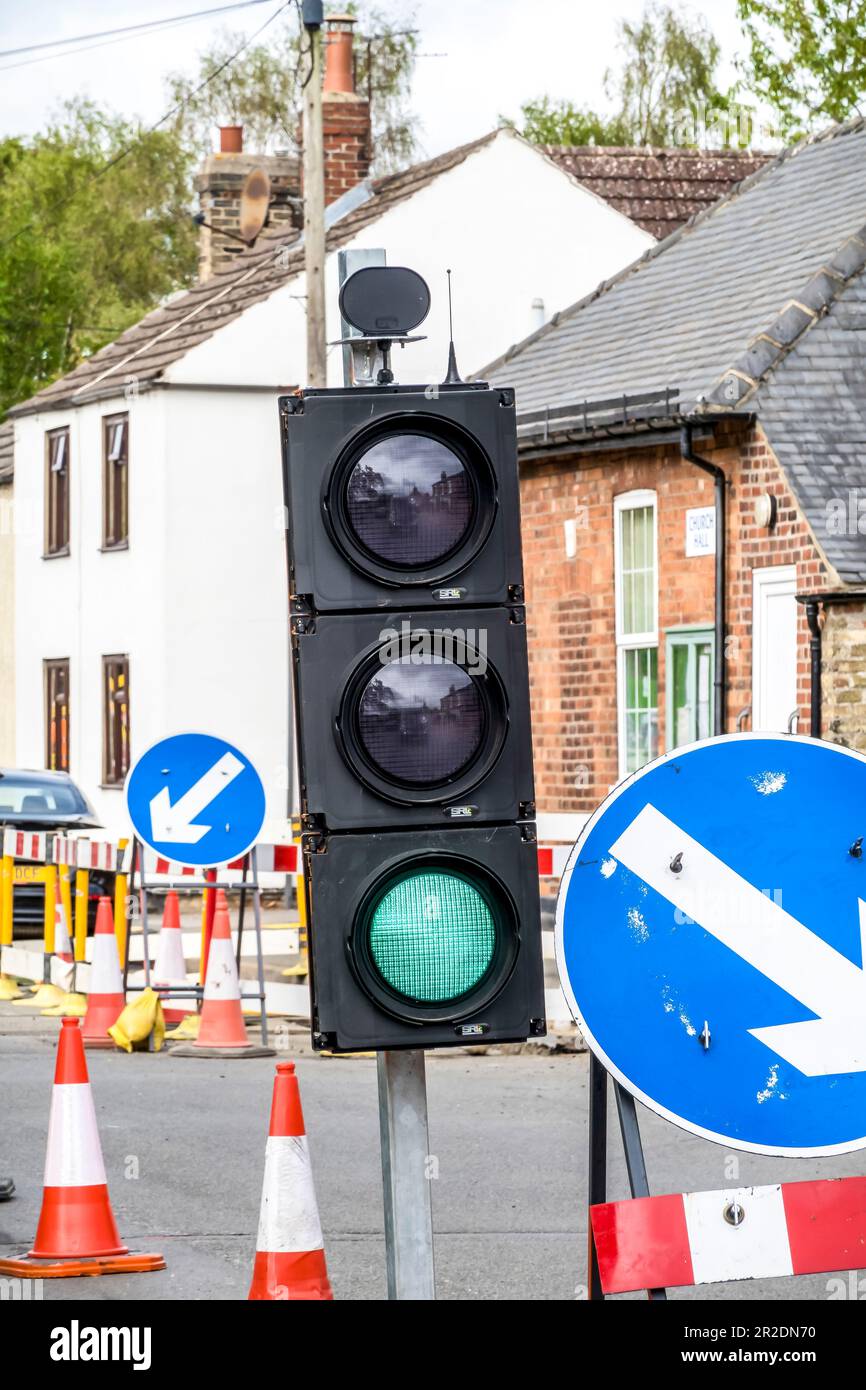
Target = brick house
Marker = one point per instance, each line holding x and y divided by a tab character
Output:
738	341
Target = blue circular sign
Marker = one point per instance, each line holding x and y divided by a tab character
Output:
710	939
196	799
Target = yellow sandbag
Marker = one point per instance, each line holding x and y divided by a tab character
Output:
70	1006
138	1020
187	1028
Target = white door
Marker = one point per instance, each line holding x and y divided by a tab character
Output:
774	647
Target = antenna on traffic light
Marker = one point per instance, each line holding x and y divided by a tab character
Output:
453	377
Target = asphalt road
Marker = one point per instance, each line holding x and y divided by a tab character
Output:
184	1145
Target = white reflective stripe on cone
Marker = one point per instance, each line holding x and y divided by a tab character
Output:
169	964
222	972
74	1155
62	943
105	976
289	1220
756	1249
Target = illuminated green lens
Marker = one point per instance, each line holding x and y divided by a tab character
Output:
432	936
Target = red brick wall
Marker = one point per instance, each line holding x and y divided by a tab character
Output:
347	143
570	602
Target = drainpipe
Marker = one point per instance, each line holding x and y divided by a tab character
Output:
811	606
718	476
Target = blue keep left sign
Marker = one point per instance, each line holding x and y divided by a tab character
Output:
710	936
196	799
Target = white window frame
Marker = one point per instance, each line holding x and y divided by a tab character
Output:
626	502
764	580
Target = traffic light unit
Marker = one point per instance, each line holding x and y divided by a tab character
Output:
411	697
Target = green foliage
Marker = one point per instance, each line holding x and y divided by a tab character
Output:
807	59
547	122
80	260
663	93
262	88
667	75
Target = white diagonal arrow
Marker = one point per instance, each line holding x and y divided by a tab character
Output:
768	938
174	824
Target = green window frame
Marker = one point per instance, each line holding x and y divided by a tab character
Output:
636	602
689	693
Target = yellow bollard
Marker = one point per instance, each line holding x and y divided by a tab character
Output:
50	905
7	879
63	875
121	930
121	888
82	886
301	969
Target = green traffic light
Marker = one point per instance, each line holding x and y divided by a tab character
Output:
432	936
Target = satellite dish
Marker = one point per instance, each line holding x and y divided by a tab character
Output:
255	203
385	301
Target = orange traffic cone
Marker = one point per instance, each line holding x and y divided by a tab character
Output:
170	967
76	1225
222	1032
290	1256
105	997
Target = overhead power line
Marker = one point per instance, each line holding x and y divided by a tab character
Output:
178	106
127	29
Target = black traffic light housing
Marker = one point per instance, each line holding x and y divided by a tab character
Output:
373	753
411	698
338	503
355	1008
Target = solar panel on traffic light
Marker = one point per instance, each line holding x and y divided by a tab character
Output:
412	709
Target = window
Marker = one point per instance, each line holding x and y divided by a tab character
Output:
115	481
57	715
115	719
636	585
689	682
57	492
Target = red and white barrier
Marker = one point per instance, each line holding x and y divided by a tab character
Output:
24	844
739	1233
552	860
86	854
270	859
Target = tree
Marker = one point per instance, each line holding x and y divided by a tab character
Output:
85	252
664	92
807	59
667	76
262	89
547	122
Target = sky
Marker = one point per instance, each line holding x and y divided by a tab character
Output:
480	60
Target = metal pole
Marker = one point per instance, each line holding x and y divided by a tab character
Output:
405	1175
145	941
597	1178
252	858
634	1159
314	213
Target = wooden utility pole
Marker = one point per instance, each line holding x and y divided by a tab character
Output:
314	213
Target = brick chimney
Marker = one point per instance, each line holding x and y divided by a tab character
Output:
345	115
219	185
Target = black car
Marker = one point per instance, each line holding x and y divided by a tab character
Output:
51	802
